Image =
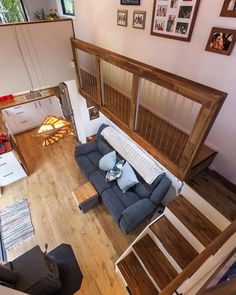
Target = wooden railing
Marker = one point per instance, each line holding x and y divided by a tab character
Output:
155	121
211	250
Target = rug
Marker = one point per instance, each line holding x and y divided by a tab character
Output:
70	274
15	224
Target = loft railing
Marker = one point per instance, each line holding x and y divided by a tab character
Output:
166	114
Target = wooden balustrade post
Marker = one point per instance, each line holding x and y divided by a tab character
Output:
203	124
133	101
99	80
77	71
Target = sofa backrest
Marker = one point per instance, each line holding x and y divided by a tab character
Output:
142	189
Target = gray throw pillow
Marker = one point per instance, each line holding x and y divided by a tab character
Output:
116	172
108	161
128	178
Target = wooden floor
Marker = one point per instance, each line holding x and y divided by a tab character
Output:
217	191
96	239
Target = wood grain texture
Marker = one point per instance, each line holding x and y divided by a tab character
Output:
200	259
172	240
155	262
135	276
84	192
170	81
201	227
216	190
95	237
211	101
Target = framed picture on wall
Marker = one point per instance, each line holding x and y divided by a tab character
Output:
122	17
130	2
139	19
174	19
221	41
93	113
229	8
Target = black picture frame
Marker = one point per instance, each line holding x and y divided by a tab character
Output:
64	9
129	2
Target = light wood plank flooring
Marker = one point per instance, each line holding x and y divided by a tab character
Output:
96	239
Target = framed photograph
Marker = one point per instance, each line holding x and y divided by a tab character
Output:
122	17
93	113
229	8
174	19
221	41
130	2
139	19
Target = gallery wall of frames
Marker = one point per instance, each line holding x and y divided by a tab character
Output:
175	19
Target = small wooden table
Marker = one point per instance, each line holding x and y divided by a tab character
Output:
86	196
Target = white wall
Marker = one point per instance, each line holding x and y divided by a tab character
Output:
97	24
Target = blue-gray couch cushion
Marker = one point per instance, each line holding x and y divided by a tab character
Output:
97	178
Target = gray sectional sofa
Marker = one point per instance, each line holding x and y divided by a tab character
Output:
131	208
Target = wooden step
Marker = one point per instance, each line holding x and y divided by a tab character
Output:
155	262
201	227
174	243
135	276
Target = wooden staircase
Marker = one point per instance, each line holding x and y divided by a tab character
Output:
167	247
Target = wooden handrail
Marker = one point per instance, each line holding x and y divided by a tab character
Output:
210	99
193	90
213	247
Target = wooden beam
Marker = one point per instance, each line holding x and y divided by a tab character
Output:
193	90
133	101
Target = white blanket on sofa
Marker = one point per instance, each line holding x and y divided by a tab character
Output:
135	155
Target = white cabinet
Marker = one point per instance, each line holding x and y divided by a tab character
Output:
10	169
50	106
30	115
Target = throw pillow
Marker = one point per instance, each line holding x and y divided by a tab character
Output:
108	161
116	172
128	178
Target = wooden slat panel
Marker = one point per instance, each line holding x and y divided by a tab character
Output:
194	220
175	244
117	103
155	261
135	276
170	144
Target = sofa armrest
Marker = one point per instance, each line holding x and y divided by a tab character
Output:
85	148
135	214
160	191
